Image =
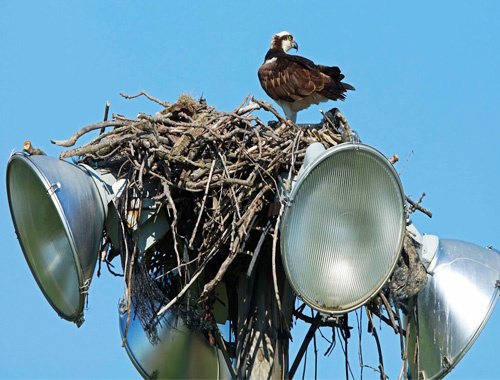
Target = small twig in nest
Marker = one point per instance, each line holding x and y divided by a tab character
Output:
416	206
164	104
200	213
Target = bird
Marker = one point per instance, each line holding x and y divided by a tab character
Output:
295	82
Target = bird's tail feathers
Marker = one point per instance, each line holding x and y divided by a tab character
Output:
347	86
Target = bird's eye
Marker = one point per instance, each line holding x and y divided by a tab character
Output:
290	37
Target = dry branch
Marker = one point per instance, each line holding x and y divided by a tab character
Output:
164	104
416	206
103	124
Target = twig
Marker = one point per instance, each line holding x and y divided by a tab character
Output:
106	111
249	108
110	142
247	217
360	332
406	161
200	213
383	376
416	206
241	105
342	124
292	164
383	318
268	107
389	312
236	203
173	225
257	249
164	104
326	323
184	290
328	120
103	124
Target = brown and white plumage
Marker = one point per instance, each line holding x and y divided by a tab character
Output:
296	82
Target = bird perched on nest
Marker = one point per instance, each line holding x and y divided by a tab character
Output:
296	82
32	150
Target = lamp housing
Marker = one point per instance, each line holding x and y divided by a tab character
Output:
58	215
180	353
452	310
343	227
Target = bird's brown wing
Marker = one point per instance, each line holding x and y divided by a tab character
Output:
334	89
291	80
332	71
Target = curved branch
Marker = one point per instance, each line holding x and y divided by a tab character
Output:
103	124
86	149
164	104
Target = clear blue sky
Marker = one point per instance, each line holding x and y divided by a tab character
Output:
427	80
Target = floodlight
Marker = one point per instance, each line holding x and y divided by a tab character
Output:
58	216
461	292
343	227
181	353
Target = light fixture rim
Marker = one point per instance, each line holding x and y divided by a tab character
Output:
475	335
25	159
317	161
131	353
334	150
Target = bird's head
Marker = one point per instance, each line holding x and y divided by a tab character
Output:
285	41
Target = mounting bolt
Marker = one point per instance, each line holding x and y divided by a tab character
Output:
53	188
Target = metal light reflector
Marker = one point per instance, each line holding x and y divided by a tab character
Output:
343	229
462	291
58	216
181	353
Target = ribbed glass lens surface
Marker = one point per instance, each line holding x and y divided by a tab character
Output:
343	232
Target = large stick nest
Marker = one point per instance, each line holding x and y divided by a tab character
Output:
215	174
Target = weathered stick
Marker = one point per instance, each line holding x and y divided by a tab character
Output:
383	376
164	104
103	124
110	142
106	111
416	206
200	213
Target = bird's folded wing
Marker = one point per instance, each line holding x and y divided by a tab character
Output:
290	80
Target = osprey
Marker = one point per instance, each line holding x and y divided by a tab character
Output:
296	82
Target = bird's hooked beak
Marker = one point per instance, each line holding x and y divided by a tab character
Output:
295	46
